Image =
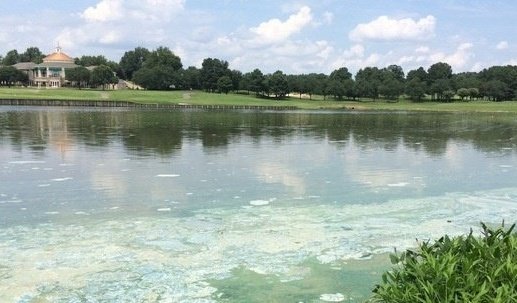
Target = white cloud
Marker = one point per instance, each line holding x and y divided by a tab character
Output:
106	10
114	10
328	17
422	49
356	51
275	30
355	59
502	45
511	62
386	28
458	59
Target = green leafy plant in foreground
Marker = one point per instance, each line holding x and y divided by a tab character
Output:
459	269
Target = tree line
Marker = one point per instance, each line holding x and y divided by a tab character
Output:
161	69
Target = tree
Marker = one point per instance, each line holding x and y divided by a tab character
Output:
80	76
415	89
439	87
236	77
278	85
256	79
32	54
157	78
473	92
316	84
463	93
91	61
102	75
224	84
391	88
368	81
495	90
335	88
132	61
163	57
340	83
466	80
438	71
340	74
396	71
10	76
211	71
191	78
12	57
505	74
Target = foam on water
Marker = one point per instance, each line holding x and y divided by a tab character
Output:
62	179
337	297
167	176
172	258
26	162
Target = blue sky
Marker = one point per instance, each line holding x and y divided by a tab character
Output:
294	36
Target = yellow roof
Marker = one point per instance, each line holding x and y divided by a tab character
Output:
58	56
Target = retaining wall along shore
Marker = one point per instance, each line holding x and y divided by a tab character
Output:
97	103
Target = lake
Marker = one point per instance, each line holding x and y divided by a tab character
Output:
236	206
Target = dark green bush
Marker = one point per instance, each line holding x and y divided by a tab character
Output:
458	269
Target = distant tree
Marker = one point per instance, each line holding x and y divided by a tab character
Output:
10	76
236	77
463	93
317	84
448	95
132	61
163	57
495	90
12	57
224	84
335	88
505	74
244	84
473	92
340	74
295	84
102	75
32	54
396	71
80	76
419	73
256	79
157	78
339	83
390	87
466	80
438	89
278	84
191	78
211	71
368	81
91	61
415	89
438	71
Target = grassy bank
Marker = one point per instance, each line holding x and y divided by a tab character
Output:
202	98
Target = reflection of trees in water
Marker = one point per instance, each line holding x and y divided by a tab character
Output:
154	132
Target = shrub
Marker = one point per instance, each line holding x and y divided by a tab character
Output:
459	269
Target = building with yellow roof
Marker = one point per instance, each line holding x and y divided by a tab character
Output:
49	73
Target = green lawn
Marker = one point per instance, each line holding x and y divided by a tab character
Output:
202	98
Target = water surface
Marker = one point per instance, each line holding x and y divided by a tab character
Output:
194	206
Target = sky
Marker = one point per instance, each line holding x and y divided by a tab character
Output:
295	36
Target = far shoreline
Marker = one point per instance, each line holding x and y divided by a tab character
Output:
232	101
